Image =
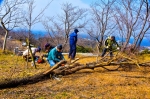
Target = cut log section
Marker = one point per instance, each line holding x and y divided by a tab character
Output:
54	67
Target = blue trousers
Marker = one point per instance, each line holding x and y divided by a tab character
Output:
72	52
51	62
105	50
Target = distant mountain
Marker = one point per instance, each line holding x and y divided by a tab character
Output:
145	41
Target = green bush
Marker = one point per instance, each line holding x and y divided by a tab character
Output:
82	49
145	51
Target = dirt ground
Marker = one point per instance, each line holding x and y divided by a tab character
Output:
84	84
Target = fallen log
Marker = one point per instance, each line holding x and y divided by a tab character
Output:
62	70
22	81
77	67
54	67
10	83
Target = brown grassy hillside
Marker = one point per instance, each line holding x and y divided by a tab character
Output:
11	44
84	84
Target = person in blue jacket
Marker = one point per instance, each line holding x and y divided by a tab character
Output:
55	55
72	43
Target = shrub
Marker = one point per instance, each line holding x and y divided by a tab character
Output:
84	49
145	51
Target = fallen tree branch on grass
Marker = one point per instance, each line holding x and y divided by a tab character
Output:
63	70
28	80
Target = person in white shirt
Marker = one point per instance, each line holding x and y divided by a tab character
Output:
33	49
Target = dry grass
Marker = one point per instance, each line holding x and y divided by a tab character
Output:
84	84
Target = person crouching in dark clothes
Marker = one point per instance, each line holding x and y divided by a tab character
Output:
48	48
55	55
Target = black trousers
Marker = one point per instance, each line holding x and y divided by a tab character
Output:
105	50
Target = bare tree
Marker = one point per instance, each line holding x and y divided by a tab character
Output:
102	24
30	20
132	20
72	17
10	16
54	30
2	32
145	24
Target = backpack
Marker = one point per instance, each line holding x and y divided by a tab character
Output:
105	42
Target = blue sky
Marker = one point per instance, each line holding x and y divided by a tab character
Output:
88	1
55	7
1	1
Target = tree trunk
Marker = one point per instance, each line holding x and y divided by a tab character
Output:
5	40
30	51
127	42
63	70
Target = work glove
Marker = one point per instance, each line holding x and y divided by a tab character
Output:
118	48
107	47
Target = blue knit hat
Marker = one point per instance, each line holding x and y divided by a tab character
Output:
76	30
113	37
47	45
59	47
